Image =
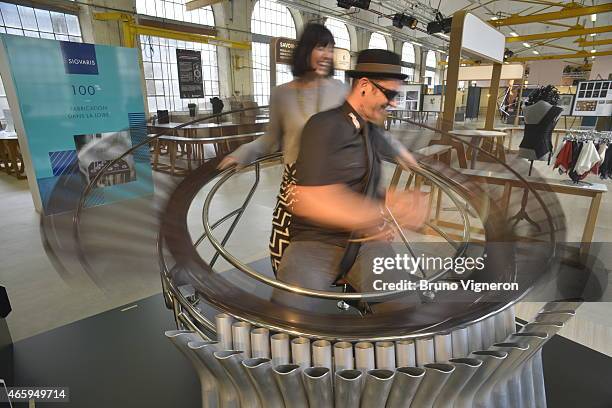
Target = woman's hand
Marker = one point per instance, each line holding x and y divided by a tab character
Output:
226	162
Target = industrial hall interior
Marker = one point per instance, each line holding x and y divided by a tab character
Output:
306	203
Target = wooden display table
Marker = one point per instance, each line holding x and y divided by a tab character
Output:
594	191
477	136
10	155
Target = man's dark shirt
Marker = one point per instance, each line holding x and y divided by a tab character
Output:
333	151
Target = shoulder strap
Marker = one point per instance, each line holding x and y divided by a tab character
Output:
352	248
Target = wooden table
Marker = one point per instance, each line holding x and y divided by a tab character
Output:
476	136
509	130
594	191
10	154
211	130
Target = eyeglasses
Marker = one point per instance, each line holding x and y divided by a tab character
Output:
389	93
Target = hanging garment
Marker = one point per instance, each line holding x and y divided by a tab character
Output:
537	140
605	170
589	157
601	149
558	150
576	150
564	157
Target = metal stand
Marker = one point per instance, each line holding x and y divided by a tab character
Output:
522	213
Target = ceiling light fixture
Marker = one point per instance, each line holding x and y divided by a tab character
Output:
593	17
593	34
513	34
347	4
526	45
535	52
401	20
440	25
593	51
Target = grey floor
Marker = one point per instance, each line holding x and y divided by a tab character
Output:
46	294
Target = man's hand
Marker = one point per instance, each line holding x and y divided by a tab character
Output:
410	209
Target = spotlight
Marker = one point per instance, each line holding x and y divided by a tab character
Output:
440	25
401	20
347	4
508	54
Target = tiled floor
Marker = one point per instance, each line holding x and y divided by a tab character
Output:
120	244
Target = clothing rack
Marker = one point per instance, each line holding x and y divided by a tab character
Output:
582	136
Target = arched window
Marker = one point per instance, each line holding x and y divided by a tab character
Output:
159	57
377	40
341	38
39	23
408	61
430	69
269	19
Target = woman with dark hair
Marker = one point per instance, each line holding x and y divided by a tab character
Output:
311	91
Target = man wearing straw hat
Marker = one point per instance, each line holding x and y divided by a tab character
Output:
337	198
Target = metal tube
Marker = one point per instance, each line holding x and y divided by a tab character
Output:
405	353
554	306
231	360
322	354
405	385
539	389
424	351
204	350
347	385
499	321
436	375
461	345
208	383
510	320
260	372
241	338
377	386
443	347
484	394
260	343
490	361
475	337
279	346
385	355
300	352
488	332
520	384
364	356
465	368
318	385
556	316
224	330
289	380
343	356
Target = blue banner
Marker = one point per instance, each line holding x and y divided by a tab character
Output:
81	107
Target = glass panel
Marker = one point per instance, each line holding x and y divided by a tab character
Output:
148	70
59	23
150	87
28	19
31	34
47	35
73	25
14	31
152	104
10	15
43	18
61	37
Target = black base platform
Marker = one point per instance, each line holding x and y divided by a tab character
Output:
121	358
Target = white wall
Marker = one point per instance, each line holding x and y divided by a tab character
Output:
602	67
